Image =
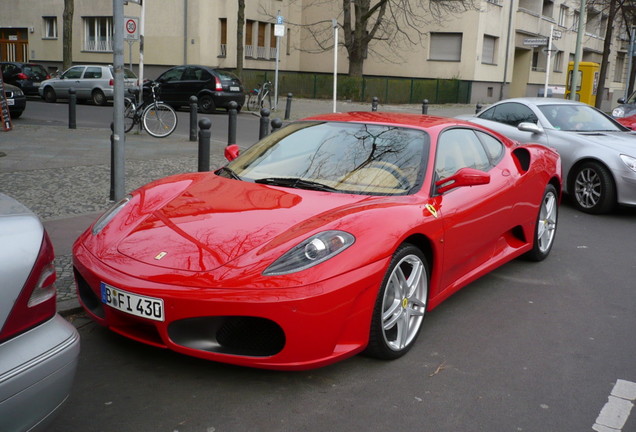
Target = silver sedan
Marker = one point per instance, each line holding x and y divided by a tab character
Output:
598	154
38	348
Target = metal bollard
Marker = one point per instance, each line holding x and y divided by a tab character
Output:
425	107
231	124
72	105
478	108
288	106
374	103
193	117
112	161
204	144
262	130
276	124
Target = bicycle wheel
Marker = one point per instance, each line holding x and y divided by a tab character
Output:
252	102
159	119
129	115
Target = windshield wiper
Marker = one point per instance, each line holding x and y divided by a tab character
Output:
295	182
229	172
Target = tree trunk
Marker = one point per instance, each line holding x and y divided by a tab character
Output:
240	26
606	52
67	34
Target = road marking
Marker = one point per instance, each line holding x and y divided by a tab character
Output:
616	411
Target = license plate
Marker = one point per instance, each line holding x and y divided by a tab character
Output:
36	84
232	88
134	304
10	102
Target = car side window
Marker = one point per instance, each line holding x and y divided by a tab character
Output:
73	73
459	148
93	72
513	113
204	75
173	74
493	146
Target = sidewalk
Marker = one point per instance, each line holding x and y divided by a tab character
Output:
63	174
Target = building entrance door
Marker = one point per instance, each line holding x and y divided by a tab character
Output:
14	44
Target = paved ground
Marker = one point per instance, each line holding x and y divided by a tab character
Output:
60	173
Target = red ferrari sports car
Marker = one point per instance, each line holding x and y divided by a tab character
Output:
333	236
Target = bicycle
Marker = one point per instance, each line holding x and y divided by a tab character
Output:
158	118
260	97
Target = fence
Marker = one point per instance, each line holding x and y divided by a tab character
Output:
390	90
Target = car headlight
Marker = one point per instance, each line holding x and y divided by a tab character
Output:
18	92
618	112
629	161
110	214
312	251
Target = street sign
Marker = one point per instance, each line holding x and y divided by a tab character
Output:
131	28
556	34
535	41
279	19
279	30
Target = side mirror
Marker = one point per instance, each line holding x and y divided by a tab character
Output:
463	177
621	100
529	127
232	152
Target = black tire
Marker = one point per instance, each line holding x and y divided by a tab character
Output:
546	226
129	115
16	114
400	305
98	97
593	189
49	95
206	104
159	119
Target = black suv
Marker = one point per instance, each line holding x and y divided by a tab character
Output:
214	88
26	76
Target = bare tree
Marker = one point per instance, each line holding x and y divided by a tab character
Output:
368	25
67	34
240	26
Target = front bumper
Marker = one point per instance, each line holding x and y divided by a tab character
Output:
297	328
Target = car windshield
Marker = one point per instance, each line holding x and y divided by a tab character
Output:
579	118
366	159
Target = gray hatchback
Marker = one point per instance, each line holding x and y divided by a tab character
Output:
90	82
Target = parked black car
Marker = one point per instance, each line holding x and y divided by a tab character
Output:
214	88
16	100
26	76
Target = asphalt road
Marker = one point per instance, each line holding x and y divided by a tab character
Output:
529	347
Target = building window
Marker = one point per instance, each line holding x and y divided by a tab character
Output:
548	8
577	16
563	16
539	60
558	62
619	67
50	27
446	46
223	28
249	39
98	34
489	50
262	31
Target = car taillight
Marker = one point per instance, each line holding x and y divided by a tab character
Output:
111	82
219	86
22	76
36	302
48	76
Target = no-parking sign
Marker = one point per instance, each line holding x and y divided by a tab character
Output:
131	28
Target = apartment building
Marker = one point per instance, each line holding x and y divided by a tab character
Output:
488	47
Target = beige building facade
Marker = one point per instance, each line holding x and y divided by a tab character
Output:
488	47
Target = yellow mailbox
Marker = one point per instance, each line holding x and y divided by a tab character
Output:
588	82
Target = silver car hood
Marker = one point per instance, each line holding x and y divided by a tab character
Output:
622	142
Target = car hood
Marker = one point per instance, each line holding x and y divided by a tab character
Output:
623	142
216	220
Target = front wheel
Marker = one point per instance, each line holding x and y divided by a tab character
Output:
49	95
545	228
129	115
400	306
593	188
159	120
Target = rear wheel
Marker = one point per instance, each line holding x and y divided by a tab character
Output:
400	306
98	97
593	188
545	228
49	95
206	104
159	119
252	102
